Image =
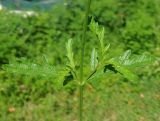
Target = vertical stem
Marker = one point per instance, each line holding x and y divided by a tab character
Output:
81	103
81	88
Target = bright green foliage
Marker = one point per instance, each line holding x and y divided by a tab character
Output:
117	64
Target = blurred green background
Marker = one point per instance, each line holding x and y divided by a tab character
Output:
29	4
129	24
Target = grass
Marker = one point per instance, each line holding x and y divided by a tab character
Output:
117	103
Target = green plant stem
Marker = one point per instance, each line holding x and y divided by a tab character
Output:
81	88
81	102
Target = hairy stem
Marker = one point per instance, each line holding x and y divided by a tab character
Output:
81	88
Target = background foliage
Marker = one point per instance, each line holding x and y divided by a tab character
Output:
129	24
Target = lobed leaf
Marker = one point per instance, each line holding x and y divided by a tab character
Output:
121	63
99	32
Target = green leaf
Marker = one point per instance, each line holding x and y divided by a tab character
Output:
100	35
122	63
70	54
139	60
125	55
133	61
94	59
122	70
99	32
94	27
126	73
31	69
45	71
106	48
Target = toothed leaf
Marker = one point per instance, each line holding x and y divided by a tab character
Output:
133	61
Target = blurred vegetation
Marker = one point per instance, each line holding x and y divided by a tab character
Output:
129	24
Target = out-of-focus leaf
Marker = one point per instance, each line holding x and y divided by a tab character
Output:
45	71
31	69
